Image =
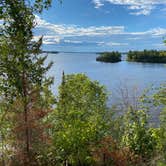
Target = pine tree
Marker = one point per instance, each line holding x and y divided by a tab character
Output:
22	70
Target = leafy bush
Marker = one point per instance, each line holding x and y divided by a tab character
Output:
160	100
79	119
138	136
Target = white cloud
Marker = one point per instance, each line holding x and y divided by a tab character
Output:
117	44
51	39
138	7
110	44
98	3
102	36
134	38
155	32
73	30
159	32
48	39
61	30
73	41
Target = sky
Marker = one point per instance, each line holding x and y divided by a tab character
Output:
103	25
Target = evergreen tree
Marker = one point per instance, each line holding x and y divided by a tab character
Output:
22	71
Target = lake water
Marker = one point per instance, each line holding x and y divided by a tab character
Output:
115	76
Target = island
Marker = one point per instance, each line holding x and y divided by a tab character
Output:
150	56
109	57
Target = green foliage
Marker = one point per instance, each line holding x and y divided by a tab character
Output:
81	130
160	100
151	56
137	135
23	81
18	67
109	57
5	130
79	118
36	5
163	131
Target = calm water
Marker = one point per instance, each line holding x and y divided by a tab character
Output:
127	75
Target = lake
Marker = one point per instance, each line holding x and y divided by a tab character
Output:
132	77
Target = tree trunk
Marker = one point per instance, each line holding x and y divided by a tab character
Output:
27	140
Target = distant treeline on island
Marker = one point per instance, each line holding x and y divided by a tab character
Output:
109	57
150	56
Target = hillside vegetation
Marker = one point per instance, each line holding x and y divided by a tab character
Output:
75	127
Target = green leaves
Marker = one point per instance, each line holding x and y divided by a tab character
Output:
39	5
160	101
152	56
79	117
23	81
109	57
138	136
19	60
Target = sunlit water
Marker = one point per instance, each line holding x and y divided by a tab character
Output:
115	76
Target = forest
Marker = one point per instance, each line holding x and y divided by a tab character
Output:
76	127
109	57
150	56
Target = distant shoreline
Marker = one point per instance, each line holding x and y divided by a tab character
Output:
75	52
51	52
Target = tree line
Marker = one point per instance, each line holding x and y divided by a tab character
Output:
149	56
76	127
109	57
152	56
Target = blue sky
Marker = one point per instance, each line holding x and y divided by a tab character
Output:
103	25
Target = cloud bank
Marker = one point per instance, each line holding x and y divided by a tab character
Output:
104	37
137	7
73	30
